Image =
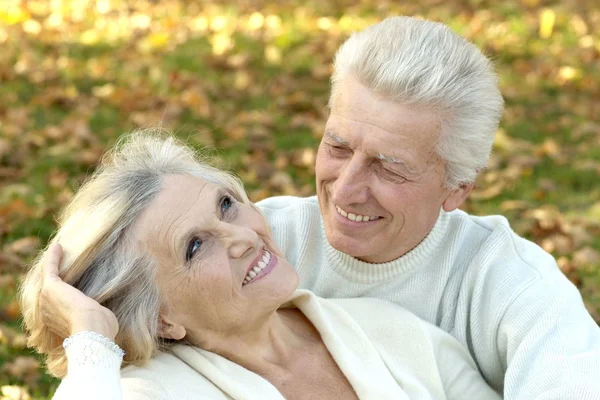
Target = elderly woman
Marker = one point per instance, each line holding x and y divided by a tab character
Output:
166	258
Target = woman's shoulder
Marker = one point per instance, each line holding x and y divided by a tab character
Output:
167	374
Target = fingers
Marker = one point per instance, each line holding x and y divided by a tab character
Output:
52	260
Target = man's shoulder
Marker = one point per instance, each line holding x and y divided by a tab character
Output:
495	235
291	214
287	203
511	265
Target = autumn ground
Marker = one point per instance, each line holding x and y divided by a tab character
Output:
252	81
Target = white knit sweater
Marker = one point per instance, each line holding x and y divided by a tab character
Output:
384	351
501	296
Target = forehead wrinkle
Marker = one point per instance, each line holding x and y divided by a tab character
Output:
170	233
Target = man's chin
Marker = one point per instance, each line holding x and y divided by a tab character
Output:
352	246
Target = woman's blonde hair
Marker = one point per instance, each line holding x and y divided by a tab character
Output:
100	258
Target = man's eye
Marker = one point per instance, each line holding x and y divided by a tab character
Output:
393	176
338	151
194	245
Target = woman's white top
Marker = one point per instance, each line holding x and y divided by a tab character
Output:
384	351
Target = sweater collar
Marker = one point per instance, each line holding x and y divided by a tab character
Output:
346	341
363	272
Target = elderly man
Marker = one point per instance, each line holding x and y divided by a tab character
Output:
414	110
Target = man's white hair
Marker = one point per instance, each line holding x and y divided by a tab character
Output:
425	64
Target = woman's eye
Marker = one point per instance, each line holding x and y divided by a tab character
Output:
226	203
194	245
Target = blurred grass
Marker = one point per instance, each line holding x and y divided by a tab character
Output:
250	82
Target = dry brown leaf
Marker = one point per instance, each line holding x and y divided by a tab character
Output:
24	247
586	257
511	205
489	192
7	281
557	243
10	312
5	147
25	368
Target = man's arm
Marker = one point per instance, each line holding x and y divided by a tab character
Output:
550	344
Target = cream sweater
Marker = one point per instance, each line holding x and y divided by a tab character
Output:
501	296
384	351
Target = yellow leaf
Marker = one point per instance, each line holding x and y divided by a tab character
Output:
89	37
273	55
32	27
14	15
567	73
242	80
14	393
157	40
256	21
221	43
547	19
324	23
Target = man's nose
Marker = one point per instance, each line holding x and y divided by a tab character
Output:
352	184
241	241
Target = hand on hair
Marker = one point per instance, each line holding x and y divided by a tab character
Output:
66	310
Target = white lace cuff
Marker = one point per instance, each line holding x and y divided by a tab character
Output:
92	349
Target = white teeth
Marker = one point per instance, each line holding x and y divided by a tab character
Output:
355	217
260	265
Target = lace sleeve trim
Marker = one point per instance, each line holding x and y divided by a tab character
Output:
91	348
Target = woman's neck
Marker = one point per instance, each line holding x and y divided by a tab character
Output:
272	344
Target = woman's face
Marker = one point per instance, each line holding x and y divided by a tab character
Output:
219	269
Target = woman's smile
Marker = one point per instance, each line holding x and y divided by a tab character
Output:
260	267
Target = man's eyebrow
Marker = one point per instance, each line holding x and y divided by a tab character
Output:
397	161
335	138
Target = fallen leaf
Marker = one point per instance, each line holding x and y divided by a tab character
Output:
25	368
25	246
586	257
13	392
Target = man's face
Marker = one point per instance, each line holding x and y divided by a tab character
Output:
379	179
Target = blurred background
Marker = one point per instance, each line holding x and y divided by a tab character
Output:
248	80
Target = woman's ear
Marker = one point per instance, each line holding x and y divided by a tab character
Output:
168	329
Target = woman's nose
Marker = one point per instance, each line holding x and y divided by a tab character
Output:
242	241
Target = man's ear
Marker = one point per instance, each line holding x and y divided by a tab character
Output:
457	196
169	329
